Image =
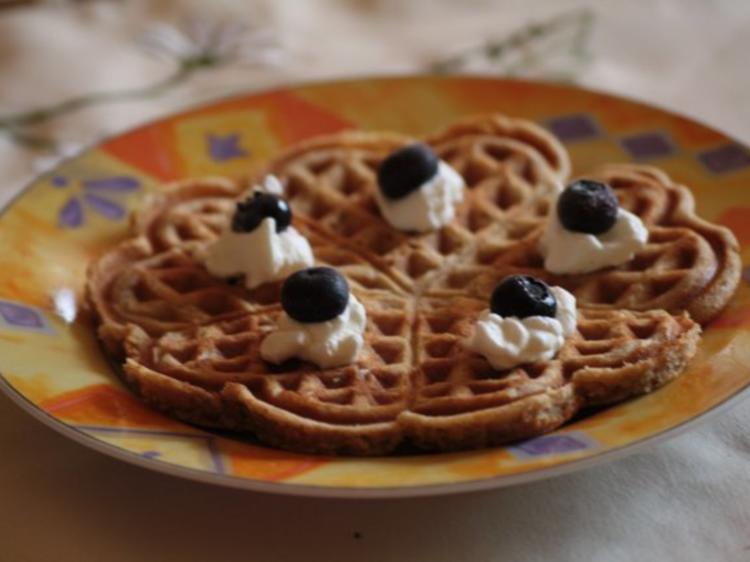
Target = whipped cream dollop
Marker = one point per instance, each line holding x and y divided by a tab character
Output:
328	344
508	342
269	184
261	255
430	206
566	251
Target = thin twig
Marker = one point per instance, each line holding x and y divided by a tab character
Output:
521	40
35	116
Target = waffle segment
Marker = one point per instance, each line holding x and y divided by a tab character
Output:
687	264
460	401
213	375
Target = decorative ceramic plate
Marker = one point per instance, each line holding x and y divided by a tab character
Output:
51	363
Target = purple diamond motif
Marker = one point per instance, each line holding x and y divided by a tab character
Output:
227	147
151	454
21	316
554	445
727	158
648	145
572	128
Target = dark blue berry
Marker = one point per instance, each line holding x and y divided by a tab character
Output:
251	212
588	206
316	294
406	169
522	296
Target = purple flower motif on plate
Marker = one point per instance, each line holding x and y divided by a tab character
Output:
104	207
100	195
116	184
225	147
151	454
71	214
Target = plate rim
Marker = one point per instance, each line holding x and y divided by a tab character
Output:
366	492
352	492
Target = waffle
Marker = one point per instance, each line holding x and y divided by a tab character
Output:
189	343
688	263
159	292
213	375
460	401
155	279
511	167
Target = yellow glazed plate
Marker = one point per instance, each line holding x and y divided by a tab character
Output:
51	365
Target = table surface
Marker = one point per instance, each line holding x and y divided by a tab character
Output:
686	499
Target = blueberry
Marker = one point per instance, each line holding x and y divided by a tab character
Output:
254	209
522	296
316	294
588	206
406	169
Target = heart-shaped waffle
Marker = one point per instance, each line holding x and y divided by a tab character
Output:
190	342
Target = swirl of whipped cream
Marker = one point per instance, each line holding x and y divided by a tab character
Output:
261	255
328	344
430	206
566	252
508	342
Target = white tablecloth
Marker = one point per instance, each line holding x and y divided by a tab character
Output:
687	499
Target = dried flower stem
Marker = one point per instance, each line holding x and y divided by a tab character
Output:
12	124
521	42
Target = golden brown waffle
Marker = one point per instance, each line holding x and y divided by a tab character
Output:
511	168
460	401
155	280
213	375
186	213
687	264
191	342
159	292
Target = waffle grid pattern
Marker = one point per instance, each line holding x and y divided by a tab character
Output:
192	342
